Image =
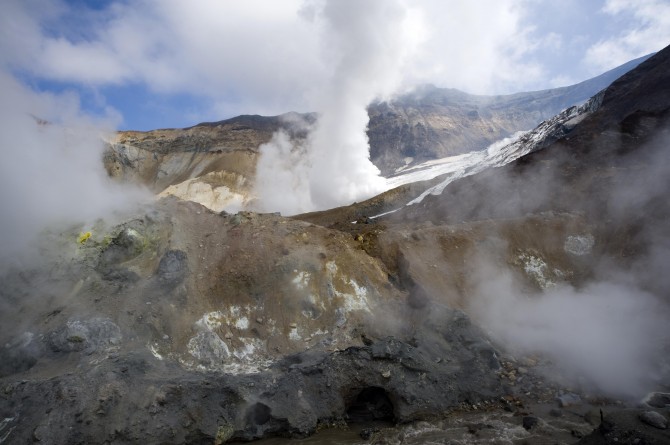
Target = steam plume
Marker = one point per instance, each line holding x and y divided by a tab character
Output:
51	171
365	45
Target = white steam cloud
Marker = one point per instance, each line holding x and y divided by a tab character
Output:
51	172
610	333
282	176
608	336
366	44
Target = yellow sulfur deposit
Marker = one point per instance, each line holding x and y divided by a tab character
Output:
83	237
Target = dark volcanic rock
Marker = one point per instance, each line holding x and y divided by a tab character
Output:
626	426
367	433
658	400
655	419
172	268
20	354
121	399
528	422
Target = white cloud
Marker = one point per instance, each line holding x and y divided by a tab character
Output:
478	46
646	29
256	56
261	56
85	62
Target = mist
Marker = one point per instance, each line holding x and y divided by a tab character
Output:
607	336
607	332
52	175
365	46
282	175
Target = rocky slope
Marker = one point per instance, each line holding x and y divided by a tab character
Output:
610	169
186	326
211	163
434	122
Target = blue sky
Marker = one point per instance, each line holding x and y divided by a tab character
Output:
148	64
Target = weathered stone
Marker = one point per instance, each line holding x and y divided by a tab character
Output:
655	419
658	399
172	268
85	335
568	399
126	245
367	433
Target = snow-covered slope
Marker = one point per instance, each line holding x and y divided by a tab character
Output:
496	155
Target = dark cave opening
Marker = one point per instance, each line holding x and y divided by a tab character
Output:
371	404
258	414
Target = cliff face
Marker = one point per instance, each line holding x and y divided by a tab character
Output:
434	123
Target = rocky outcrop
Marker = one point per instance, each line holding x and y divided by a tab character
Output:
213	164
135	399
183	325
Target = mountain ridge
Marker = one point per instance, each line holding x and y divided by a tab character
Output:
214	162
496	117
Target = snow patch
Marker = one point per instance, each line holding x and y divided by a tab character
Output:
497	154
